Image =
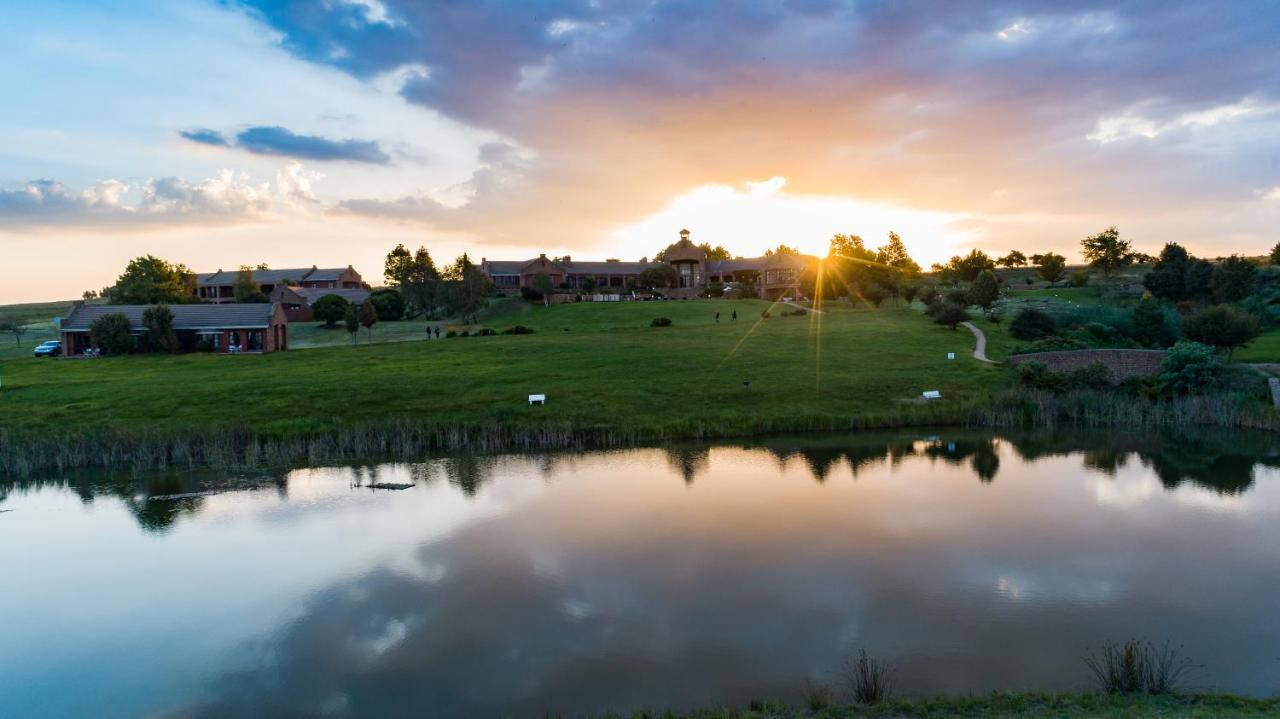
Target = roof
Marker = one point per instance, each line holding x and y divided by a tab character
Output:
185	317
354	295
274	277
760	264
504	267
630	268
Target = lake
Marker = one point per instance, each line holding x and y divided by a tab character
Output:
673	577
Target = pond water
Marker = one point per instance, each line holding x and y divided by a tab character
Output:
677	577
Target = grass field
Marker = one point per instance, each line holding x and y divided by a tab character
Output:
37	317
601	365
1021	706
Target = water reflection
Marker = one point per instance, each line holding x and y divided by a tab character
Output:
673	577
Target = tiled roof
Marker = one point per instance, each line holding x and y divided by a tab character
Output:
272	277
185	317
504	267
628	268
354	295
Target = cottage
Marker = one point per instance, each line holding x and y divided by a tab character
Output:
256	328
220	286
297	301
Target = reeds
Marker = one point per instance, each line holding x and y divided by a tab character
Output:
1136	667
868	681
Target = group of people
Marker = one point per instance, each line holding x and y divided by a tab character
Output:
431	330
734	317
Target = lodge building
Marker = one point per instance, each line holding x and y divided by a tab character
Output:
771	276
247	327
219	287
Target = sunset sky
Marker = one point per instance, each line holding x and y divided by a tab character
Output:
296	133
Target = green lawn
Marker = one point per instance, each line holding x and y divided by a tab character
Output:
601	365
1266	348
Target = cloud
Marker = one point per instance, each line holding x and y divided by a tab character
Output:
1133	124
273	140
1272	194
205	137
227	197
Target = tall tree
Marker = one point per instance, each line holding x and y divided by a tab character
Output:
782	250
246	288
417	278
1106	251
1051	266
658	277
351	320
894	254
1013	259
716	252
467	288
1275	254
158	321
968	267
329	309
543	285
368	316
985	290
149	280
1168	276
1233	279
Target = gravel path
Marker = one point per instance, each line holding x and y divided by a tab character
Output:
980	349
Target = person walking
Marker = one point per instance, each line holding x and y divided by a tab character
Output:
735	315
717	317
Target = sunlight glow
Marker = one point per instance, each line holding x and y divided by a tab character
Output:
761	215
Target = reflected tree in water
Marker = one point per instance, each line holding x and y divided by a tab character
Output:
689	462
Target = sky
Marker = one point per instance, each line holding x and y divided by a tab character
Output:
294	133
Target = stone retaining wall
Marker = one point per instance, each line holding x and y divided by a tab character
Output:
1123	364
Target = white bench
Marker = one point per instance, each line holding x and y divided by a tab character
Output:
537	399
932	394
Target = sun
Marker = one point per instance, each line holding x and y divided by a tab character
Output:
759	216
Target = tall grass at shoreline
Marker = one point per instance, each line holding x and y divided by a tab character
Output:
240	447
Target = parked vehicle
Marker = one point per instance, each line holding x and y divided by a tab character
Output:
52	348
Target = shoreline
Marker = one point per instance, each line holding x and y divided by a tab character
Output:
238	447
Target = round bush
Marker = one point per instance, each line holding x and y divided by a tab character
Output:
660	322
1031	324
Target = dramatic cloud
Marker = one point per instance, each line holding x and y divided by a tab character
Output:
1001	110
228	197
205	137
282	141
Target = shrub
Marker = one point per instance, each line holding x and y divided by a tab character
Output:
530	294
329	309
1031	324
765	314
950	315
1051	344
1222	326
1036	375
518	330
1079	278
204	346
985	290
1148	325
388	303
1094	375
111	333
660	322
451	333
1190	368
486	332
929	295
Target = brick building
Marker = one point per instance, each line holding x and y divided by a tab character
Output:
219	287
771	276
252	328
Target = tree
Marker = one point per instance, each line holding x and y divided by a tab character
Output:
17	328
89	295
351	320
542	283
894	254
112	333
368	316
968	267
1168	276
417	278
466	288
985	290
1013	259
658	277
1050	266
1222	326
329	309
389	304
1190	367
1106	251
1147	323
782	250
158	321
1232	279
246	289
874	294
950	314
1198	280
150	280
718	252
1275	254
1031	324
